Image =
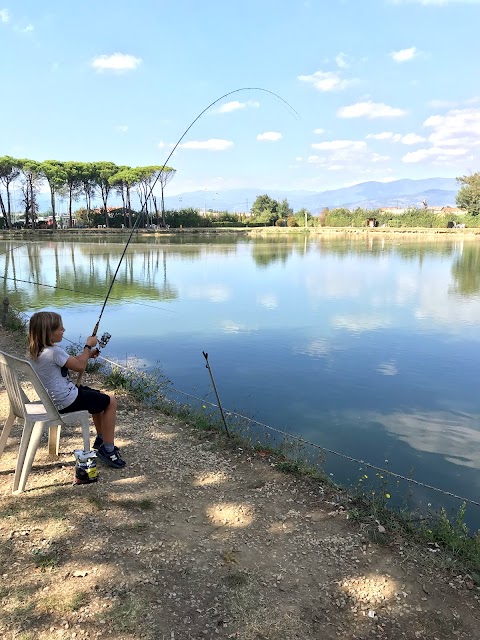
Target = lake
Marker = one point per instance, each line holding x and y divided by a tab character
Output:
367	345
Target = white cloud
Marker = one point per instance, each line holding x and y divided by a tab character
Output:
457	126
436	154
270	136
4	16
370	110
121	128
408	138
404	54
342	60
326	81
235	105
453	136
214	144
333	145
319	131
116	62
385	135
344	155
411	138
376	157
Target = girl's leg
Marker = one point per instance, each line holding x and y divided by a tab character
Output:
105	421
97	421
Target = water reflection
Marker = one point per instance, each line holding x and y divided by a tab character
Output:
466	271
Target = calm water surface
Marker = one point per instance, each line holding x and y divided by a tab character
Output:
367	346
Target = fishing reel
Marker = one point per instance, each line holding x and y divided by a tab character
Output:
103	341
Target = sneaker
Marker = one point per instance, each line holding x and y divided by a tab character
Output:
97	442
113	459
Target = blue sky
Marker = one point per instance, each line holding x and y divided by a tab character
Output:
385	89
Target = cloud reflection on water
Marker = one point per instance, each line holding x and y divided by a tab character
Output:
210	293
451	435
361	322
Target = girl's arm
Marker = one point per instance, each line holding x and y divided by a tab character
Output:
78	363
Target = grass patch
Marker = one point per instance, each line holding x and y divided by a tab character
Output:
96	502
128	615
18	607
236	580
146	387
60	603
145	504
12	508
45	561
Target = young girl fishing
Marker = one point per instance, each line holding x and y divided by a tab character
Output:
52	363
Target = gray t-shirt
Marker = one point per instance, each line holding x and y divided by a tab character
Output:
50	368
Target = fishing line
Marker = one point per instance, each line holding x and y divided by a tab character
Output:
303	441
143	209
4	253
86	294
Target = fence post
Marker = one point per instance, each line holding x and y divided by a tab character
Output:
6	304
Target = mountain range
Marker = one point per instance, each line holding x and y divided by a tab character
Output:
368	195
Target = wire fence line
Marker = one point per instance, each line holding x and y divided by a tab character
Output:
304	441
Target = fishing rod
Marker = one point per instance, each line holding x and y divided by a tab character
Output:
149	193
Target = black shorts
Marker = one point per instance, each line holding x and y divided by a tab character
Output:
90	400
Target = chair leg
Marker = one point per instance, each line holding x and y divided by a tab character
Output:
6	431
21	475
54	440
22	451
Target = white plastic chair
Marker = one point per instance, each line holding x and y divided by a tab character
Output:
34	416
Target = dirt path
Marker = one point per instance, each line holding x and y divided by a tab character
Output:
195	541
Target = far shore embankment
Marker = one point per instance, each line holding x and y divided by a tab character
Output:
398	232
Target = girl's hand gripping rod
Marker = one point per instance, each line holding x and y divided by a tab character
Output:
102	342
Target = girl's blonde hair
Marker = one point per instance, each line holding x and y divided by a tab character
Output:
42	325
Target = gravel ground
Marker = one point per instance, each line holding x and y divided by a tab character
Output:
196	540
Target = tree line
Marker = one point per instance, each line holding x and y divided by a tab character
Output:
75	180
468	196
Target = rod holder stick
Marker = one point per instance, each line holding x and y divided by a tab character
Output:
205	355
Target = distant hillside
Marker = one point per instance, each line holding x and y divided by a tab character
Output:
368	195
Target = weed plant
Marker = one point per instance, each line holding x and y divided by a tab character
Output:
146	387
371	506
16	321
